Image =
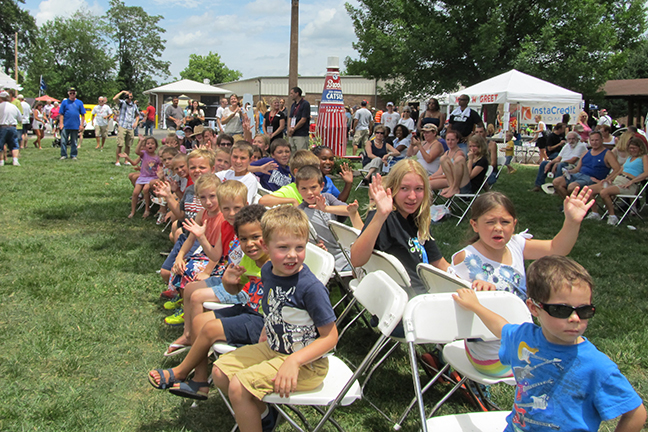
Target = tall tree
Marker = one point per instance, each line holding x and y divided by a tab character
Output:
72	51
138	45
14	20
434	46
209	67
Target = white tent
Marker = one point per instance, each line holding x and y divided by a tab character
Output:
535	96
7	82
186	86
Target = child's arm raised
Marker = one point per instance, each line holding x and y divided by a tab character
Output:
346	173
632	421
468	300
354	215
232	278
364	245
575	207
285	382
129	160
163	190
214	252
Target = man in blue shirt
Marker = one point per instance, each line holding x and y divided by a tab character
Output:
70	123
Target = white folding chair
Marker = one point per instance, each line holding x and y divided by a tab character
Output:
492	421
438	319
463	202
628	203
320	262
384	299
501	160
438	281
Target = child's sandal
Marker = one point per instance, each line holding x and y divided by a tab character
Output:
190	389
164	382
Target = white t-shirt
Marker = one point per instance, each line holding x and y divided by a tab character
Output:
409	123
390	120
605	120
9	114
26	112
101	114
234	125
568	152
363	115
249	180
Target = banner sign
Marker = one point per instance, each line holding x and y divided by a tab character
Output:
331	119
551	113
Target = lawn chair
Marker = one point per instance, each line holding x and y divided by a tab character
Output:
627	203
463	202
501	160
438	281
492	421
438	319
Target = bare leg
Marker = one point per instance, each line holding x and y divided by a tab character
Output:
560	186
447	167
134	199
457	170
147	201
247	408
606	195
98	137
119	148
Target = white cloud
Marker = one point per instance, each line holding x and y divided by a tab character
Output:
190	4
49	9
268	8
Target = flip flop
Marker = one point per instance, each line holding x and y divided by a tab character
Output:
190	389
179	349
164	382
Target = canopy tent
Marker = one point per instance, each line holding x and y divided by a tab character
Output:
46	98
535	96
186	86
7	82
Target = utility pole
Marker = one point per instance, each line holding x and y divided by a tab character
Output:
16	56
294	44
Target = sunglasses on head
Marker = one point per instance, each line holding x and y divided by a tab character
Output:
565	311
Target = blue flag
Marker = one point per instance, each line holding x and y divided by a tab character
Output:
43	86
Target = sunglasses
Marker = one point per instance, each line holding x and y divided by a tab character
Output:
565	311
225	144
379	133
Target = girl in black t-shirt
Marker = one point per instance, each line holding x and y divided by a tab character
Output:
477	164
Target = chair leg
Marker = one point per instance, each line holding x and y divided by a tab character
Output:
417	385
414	400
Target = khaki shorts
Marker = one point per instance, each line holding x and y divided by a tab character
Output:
256	365
125	137
299	143
101	131
620	180
360	138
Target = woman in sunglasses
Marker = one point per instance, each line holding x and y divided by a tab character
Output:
377	153
563	382
494	259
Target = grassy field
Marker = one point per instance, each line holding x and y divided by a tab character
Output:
81	320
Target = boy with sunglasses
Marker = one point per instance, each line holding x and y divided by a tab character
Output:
563	381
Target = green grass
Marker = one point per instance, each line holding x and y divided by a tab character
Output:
81	323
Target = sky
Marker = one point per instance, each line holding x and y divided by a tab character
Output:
250	36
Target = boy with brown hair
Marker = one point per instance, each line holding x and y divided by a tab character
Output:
288	194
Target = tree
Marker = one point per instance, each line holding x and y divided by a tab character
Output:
72	51
138	45
428	47
209	67
15	20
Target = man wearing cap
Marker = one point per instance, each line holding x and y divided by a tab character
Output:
10	116
71	114
128	120
604	118
464	119
100	115
390	118
26	122
174	115
362	124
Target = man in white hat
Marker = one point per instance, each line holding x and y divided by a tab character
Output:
10	116
390	118
604	118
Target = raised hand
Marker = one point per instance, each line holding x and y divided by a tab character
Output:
577	204
266	168
320	203
195	229
381	197
162	189
232	274
346	173
353	207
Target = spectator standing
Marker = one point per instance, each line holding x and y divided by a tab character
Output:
39	124
10	116
127	122
604	118
464	119
299	121
555	141
149	123
174	115
100	115
232	119
362	124
71	115
54	116
432	115
219	114
390	118
47	110
26	123
274	124
406	119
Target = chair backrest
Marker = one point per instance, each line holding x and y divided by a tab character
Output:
262	191
489	171
437	318
312	233
438	281
345	237
382	297
392	267
320	262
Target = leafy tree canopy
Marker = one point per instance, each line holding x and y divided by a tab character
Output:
14	20
210	67
434	46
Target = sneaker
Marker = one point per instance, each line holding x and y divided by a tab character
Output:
1	162
74	158
612	220
169	294
593	216
158	201
63	158
127	163
269	422
16	163
174	303
117	164
535	189
177	319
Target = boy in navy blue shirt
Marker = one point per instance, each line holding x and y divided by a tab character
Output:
563	381
299	327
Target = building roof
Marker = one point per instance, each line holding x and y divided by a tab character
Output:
188	86
629	87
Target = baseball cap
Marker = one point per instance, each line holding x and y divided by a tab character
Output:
4	94
180	134
72	89
390	103
20	96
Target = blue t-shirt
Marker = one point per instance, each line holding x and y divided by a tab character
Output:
294	307
276	179
330	188
71	112
562	387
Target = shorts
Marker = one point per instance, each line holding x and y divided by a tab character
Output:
620	180
125	137
101	131
507	160
221	293
466	189
491	367
26	127
170	260
9	136
256	365
581	179
38	125
241	324
299	143
360	138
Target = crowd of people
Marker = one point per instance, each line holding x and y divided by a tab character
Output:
240	210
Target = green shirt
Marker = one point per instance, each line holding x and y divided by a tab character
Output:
288	191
